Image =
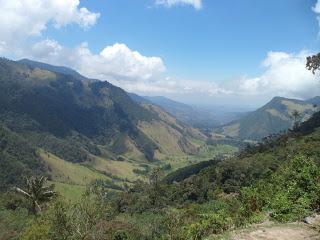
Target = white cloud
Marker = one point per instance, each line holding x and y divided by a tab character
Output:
113	62
121	66
316	9
285	75
20	19
197	4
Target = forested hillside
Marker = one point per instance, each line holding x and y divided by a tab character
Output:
277	181
56	122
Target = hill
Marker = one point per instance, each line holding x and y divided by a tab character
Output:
272	118
265	192
52	68
88	126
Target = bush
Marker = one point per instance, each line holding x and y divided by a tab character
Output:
298	190
37	231
213	223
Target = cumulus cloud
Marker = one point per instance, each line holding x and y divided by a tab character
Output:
121	66
285	75
316	10
113	62
197	4
21	19
175	86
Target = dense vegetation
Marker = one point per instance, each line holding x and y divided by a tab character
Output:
18	158
278	179
60	105
46	115
58	111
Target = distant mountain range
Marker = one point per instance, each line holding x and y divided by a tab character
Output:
196	116
272	118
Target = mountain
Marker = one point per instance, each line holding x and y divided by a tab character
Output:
268	191
48	67
274	117
194	116
314	100
79	123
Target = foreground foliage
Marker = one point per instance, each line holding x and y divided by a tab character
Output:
277	180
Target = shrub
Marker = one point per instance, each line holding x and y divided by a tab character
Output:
212	223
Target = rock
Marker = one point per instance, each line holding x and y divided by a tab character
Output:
308	220
312	220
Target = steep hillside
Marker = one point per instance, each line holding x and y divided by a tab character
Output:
274	117
81	123
61	106
266	192
170	135
17	159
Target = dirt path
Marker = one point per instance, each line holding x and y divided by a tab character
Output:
272	231
276	232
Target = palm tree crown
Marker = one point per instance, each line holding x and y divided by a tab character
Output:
37	191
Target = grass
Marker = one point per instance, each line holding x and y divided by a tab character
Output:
120	169
295	106
206	152
71	179
68	191
70	173
166	137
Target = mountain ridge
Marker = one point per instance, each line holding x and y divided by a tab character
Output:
272	118
61	104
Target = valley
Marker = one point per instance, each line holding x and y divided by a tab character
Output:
119	151
159	120
75	147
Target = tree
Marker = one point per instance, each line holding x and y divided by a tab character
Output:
37	192
155	185
313	63
296	116
315	107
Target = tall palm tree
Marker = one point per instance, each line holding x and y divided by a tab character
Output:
37	191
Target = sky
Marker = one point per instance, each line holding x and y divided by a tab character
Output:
201	52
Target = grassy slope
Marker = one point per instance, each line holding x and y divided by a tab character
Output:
205	153
70	192
71	178
71	173
120	169
175	140
166	137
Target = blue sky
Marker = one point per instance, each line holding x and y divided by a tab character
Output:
212	51
222	40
